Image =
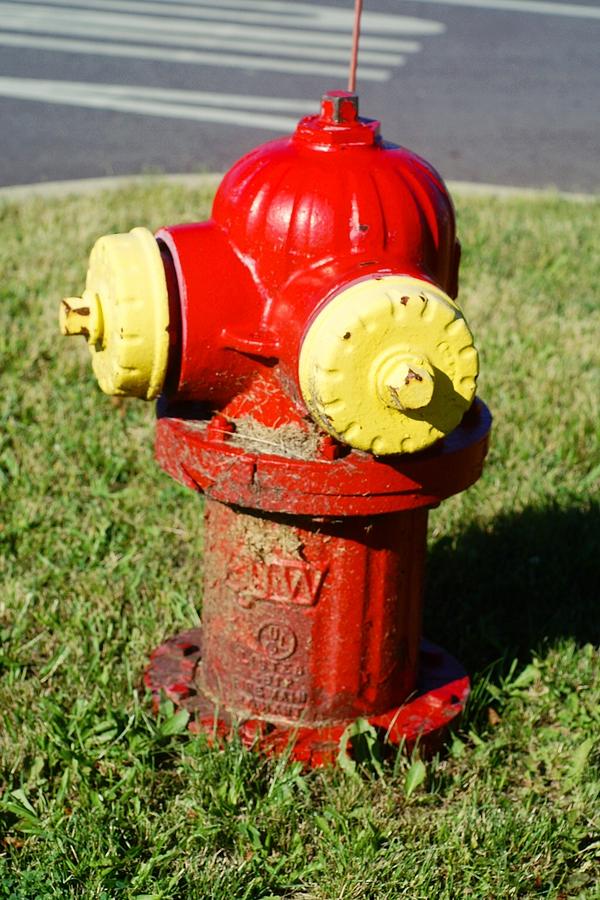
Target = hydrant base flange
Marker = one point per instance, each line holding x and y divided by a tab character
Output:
438	701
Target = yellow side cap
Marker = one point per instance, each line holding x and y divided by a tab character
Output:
124	314
389	365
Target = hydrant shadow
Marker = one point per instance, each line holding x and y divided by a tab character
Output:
526	581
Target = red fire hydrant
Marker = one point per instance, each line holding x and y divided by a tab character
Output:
317	384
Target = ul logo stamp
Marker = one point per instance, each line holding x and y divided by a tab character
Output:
277	640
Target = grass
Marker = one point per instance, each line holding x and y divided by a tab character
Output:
99	563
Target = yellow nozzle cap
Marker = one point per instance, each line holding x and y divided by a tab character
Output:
389	365
124	314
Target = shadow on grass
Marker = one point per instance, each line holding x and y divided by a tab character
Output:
528	580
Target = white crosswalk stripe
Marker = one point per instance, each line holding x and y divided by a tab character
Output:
199	106
259	12
532	7
252	35
142	30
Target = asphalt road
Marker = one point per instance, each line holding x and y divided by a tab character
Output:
493	91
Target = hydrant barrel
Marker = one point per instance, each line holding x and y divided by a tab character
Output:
308	620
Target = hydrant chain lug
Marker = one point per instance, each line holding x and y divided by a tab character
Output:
317	380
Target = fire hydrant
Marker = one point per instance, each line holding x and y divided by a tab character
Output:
316	381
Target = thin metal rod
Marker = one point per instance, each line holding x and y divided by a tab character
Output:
358	4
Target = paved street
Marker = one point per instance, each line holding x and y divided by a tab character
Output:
496	91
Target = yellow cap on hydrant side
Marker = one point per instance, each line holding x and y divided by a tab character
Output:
124	314
389	365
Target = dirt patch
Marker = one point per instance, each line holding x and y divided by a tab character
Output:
287	440
262	537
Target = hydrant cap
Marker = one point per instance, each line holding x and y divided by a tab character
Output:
388	365
124	314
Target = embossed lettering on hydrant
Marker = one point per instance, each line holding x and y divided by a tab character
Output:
273	677
278	580
280	685
277	640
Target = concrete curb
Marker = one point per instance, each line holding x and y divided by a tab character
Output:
111	183
475	189
211	180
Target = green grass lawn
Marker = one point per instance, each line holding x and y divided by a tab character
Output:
98	564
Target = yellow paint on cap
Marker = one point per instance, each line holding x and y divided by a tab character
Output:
389	365
124	314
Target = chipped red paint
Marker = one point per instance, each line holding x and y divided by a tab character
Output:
314	553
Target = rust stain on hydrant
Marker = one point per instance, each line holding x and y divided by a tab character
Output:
321	410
